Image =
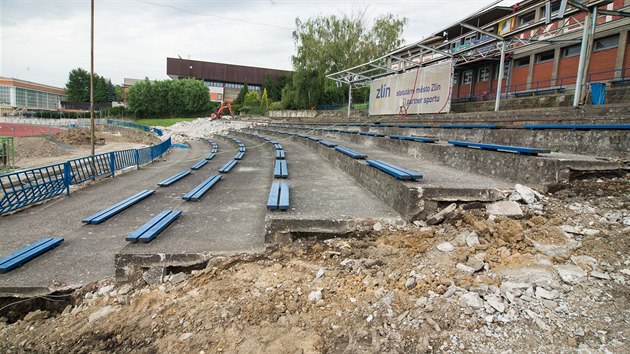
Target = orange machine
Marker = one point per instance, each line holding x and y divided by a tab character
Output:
217	114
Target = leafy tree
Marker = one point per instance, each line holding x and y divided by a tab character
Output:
264	100
78	85
187	97
240	98
330	44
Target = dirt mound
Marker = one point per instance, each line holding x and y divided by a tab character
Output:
78	137
31	147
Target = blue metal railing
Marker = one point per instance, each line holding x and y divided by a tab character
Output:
562	83
23	188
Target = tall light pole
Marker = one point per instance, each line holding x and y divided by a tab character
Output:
92	137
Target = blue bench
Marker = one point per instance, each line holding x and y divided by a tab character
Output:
413	126
167	182
278	196
29	252
239	156
377	135
118	207
242	149
210	156
578	126
197	193
278	146
351	153
314	138
199	164
548	91
280	170
147	232
469	126
518	149
396	171
228	166
349	131
413	138
280	155
327	143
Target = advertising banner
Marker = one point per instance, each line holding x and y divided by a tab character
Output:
424	90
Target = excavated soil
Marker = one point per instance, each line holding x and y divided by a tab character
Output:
477	283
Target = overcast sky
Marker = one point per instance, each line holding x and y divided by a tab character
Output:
42	40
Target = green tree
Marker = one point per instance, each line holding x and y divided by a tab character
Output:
187	97
240	98
100	89
78	85
329	44
264	100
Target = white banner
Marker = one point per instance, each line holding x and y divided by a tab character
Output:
424	90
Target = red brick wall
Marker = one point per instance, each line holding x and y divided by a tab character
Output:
602	61
519	78
568	67
542	75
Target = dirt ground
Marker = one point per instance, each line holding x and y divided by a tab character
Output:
555	280
68	144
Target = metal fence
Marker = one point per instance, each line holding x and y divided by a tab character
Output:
26	187
123	123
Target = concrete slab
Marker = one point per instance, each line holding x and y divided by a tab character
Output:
324	200
89	250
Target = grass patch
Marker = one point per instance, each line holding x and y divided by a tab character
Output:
162	122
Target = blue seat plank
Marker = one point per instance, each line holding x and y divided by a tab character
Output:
413	138
412	174
327	143
278	146
396	171
29	252
469	126
280	155
152	228
278	196
198	192
283	200
242	149
378	135
199	164
167	182
518	149
239	156
118	207
210	156
280	169
274	195
578	126
228	166
412	126
351	153
314	138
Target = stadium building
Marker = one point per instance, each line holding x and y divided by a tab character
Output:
21	95
223	80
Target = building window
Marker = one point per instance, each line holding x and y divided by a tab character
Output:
506	70
555	7
606	43
526	19
220	97
5	95
545	56
455	78
467	77
571	51
484	74
521	62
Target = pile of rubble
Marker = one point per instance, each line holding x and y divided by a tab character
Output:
204	128
553	279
